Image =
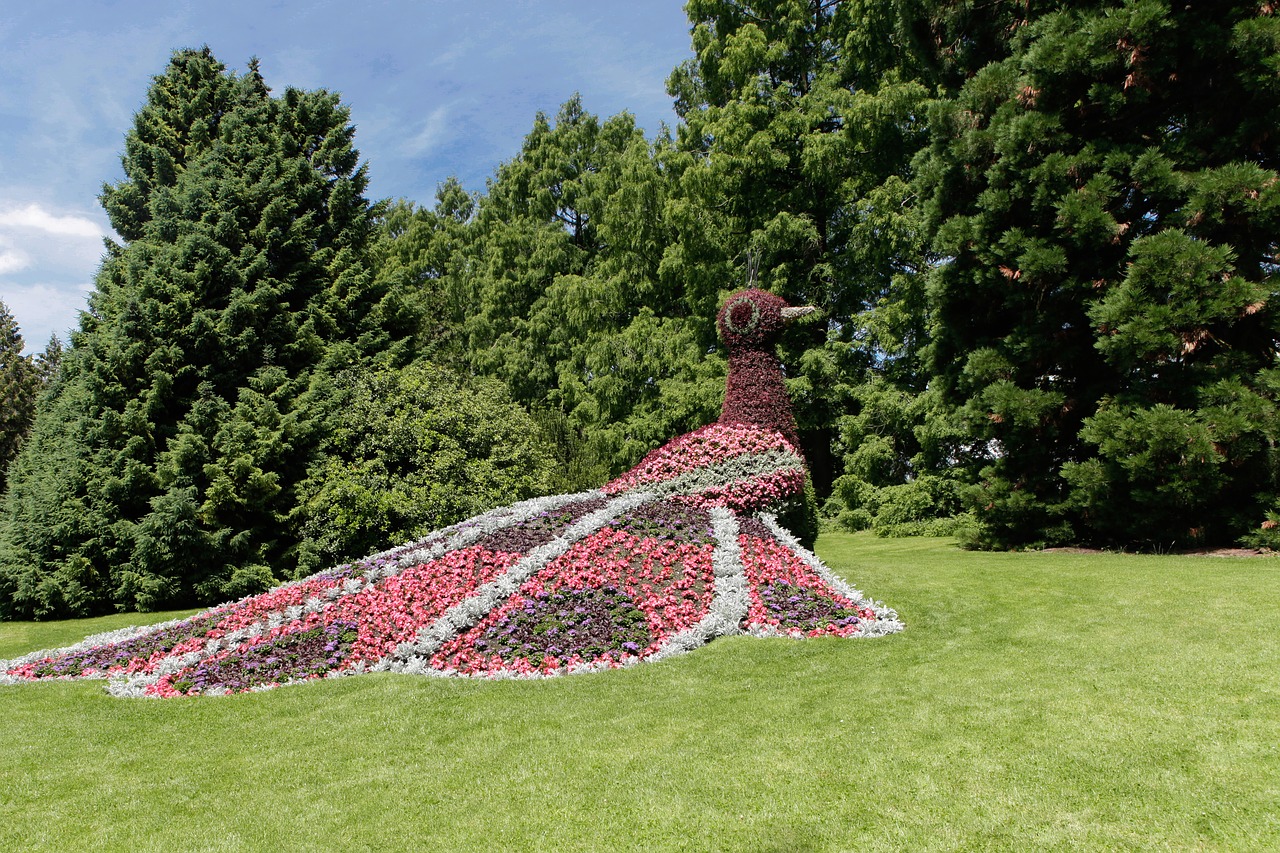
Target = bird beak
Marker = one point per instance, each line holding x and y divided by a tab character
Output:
799	311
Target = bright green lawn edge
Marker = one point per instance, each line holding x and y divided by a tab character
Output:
1035	701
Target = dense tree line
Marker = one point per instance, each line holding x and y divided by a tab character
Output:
1042	239
1104	324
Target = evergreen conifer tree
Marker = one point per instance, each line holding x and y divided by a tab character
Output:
1107	199
48	362
164	467
561	293
19	384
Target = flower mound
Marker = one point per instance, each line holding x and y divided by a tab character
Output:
573	583
678	551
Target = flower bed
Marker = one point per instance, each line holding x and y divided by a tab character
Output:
378	619
749	493
577	584
787	597
613	596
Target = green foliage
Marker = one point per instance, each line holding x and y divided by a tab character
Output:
415	254
587	277
1107	207
897	480
411	451
1267	535
555	287
1042	237
20	380
164	465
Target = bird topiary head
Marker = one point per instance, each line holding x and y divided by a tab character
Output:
754	319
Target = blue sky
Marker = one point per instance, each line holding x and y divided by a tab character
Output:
436	88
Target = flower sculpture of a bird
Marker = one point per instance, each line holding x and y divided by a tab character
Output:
680	549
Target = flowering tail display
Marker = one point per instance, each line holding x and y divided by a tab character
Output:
679	550
603	583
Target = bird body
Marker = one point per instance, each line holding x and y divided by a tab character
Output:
678	550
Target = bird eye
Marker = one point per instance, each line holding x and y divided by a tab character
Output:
742	315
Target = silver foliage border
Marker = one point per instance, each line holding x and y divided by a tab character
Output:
725	473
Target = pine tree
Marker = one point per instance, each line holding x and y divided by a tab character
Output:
19	384
1107	199
49	361
193	395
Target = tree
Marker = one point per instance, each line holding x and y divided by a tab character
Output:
48	362
194	393
19	384
800	121
410	451
416	254
1106	198
568	303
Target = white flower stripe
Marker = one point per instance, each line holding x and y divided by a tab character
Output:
729	604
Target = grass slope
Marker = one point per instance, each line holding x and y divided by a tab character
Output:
1036	701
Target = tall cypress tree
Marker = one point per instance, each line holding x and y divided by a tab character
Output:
567	300
193	392
1108	201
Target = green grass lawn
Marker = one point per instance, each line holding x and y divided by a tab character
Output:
1035	701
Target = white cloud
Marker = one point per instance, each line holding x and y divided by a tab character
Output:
433	132
35	217
48	258
42	310
12	260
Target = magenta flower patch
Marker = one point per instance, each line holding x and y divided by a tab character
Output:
788	597
739	467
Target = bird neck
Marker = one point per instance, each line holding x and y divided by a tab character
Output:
755	394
